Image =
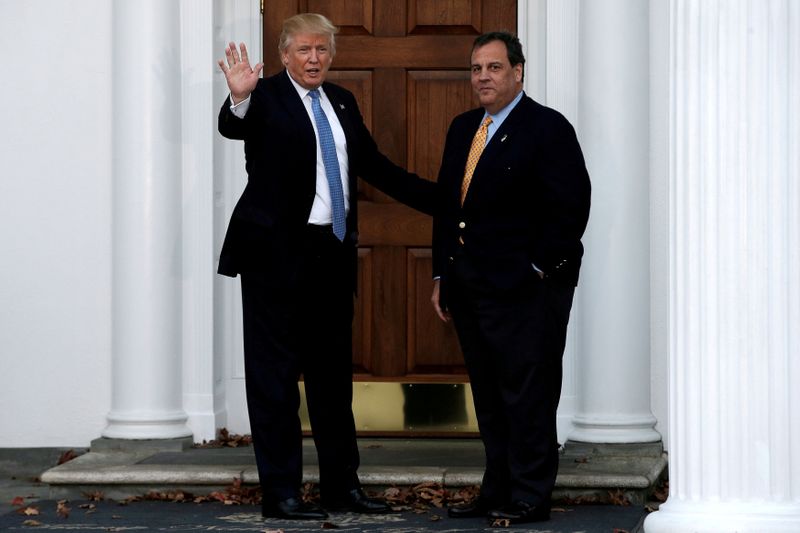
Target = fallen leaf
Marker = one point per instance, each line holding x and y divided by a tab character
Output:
19	500
329	525
67	456
434	517
95	496
29	511
501	522
87	506
225	438
62	509
618	497
582	460
32	523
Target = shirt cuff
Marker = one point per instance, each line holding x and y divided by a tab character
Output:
240	110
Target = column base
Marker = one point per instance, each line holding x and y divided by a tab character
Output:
138	426
104	444
614	430
709	517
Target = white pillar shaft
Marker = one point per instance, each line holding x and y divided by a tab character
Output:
199	129
735	258
146	324
614	405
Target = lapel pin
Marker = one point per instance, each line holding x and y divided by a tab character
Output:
341	106
503	139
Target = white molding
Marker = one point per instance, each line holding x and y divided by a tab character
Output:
659	214
563	39
237	21
532	33
198	129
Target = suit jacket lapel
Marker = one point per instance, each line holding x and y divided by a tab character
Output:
295	108
345	120
504	137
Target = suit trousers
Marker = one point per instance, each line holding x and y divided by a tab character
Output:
513	342
294	328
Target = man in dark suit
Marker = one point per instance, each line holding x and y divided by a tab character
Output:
507	250
292	237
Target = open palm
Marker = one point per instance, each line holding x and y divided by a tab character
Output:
241	77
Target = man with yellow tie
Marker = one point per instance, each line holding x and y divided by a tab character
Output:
514	202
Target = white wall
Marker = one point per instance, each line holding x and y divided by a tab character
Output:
55	192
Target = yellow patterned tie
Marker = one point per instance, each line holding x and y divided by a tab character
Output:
475	151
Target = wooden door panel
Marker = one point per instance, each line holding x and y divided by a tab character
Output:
444	16
362	317
358	82
351	16
434	98
433	347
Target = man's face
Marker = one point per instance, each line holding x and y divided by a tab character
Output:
493	78
308	58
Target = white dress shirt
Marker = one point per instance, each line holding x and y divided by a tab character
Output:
321	212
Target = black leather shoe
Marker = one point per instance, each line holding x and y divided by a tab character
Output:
521	512
476	508
294	509
356	501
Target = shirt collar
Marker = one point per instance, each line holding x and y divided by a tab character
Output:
302	91
501	115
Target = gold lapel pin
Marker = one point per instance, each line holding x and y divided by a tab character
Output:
341	106
504	138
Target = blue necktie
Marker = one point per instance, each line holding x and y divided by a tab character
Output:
328	147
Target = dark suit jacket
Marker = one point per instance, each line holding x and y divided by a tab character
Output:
528	201
265	230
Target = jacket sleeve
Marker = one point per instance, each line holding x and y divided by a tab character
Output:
239	129
565	200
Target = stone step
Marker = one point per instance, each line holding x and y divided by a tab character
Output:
123	469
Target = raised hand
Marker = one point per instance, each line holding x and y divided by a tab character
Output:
241	77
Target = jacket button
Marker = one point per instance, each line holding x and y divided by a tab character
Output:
462	225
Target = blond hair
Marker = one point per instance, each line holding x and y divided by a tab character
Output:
313	23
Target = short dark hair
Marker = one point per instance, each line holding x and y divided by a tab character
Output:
513	46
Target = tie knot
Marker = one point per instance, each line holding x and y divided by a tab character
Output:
314	94
486	122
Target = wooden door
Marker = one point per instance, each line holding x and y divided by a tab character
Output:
406	61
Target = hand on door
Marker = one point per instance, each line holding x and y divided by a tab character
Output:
443	314
241	77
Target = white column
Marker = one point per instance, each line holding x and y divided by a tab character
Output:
735	268
201	394
614	366
146	398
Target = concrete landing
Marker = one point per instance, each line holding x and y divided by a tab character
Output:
587	473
